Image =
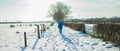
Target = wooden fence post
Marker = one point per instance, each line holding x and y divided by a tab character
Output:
41	28
38	31
44	28
25	40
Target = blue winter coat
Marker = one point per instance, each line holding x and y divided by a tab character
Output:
60	25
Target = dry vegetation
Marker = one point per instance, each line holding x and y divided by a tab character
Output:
76	26
109	32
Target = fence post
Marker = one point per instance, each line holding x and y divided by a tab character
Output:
25	40
38	31
44	28
41	29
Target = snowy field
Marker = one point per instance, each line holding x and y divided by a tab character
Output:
50	40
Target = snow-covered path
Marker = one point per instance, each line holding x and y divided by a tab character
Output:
69	40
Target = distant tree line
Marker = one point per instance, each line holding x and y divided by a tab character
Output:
114	19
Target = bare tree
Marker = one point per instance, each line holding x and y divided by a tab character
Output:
59	11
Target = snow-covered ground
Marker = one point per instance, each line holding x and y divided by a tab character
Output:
89	28
69	40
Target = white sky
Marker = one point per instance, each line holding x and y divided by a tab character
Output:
36	10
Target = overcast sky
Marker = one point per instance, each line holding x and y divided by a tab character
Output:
36	10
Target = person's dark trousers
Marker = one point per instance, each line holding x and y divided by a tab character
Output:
60	31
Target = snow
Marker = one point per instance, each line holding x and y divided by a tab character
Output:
89	28
52	40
